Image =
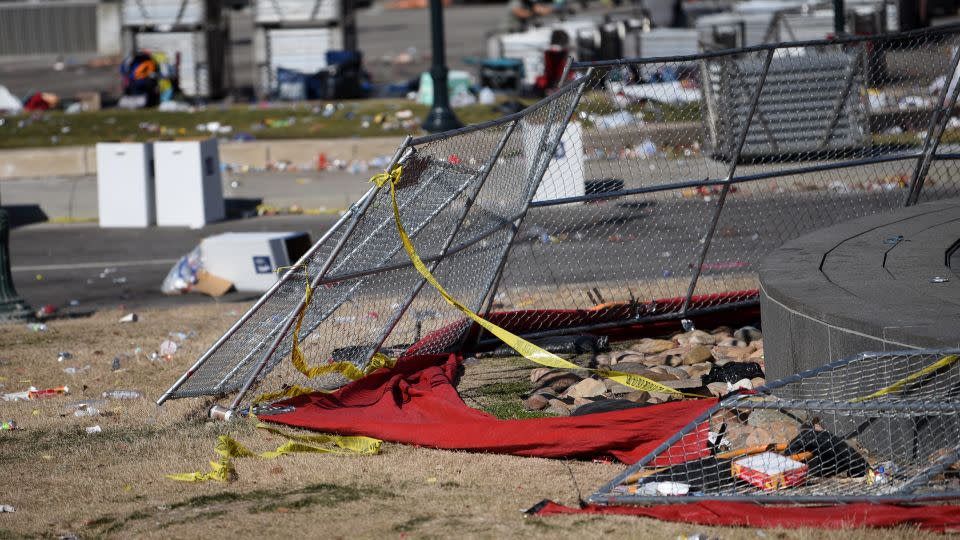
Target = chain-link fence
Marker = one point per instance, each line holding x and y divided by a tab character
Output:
664	182
878	426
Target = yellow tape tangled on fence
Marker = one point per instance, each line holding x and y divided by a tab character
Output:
229	449
936	366
523	347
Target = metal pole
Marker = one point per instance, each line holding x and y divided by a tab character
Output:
12	306
326	266
727	182
263	299
440	117
839	18
938	122
466	210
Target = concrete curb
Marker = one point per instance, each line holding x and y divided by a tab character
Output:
82	160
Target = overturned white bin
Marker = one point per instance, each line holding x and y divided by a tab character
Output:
189	192
125	185
250	260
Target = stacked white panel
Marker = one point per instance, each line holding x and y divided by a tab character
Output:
189	190
125	185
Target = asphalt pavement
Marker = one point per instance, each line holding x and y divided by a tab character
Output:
114	268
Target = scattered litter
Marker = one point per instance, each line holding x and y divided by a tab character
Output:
168	348
46	311
75	370
74	303
119	281
64	355
37	327
94	429
770	471
122	394
33	393
115	365
8	425
130	318
6	508
83	410
664	488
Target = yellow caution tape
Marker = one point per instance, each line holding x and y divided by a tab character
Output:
229	449
346	369
523	347
939	364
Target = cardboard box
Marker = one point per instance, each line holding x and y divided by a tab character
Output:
770	471
250	260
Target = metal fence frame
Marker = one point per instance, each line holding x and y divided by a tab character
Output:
924	157
605	495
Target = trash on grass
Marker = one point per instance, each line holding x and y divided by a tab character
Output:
122	394
93	429
129	318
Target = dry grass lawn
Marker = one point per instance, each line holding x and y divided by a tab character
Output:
63	481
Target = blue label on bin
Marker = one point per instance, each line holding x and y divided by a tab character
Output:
261	265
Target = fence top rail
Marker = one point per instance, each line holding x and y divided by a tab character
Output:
946	29
568	87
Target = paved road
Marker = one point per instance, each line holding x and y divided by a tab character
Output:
623	239
53	264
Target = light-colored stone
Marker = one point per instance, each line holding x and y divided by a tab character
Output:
732	353
653	346
629	359
727	342
743	384
677	372
699	337
603	359
697	355
756	354
658	374
698	370
587	388
662	397
748	334
557	381
757	382
537	373
717	388
558	407
638	396
538	401
615	388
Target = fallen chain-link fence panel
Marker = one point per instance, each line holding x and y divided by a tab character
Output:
873	427
645	189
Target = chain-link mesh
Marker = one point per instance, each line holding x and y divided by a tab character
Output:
460	197
874	426
646	189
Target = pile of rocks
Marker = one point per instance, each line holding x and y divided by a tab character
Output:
695	363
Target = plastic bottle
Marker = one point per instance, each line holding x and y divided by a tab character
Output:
122	394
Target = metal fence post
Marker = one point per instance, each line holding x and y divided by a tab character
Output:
938	122
726	183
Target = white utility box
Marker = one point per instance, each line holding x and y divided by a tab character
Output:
189	192
249	260
125	188
564	176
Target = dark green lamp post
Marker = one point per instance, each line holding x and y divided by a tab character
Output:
12	307
440	117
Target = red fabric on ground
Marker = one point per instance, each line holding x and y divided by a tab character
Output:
417	403
941	518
